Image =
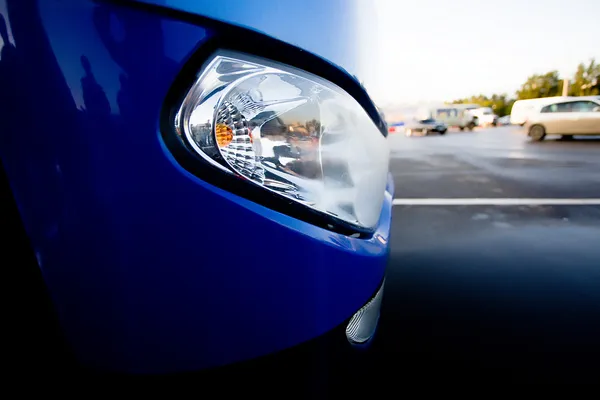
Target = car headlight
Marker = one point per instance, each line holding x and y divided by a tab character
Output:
289	132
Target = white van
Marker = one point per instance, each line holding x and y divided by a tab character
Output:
523	109
485	116
457	115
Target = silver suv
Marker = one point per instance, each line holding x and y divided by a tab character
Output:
566	118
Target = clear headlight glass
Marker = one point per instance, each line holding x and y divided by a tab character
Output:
289	132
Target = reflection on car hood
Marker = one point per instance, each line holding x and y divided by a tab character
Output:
339	21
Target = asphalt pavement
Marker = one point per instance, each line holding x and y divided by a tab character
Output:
493	292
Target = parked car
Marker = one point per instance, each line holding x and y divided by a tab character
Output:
167	178
485	116
523	109
424	127
503	121
455	115
567	118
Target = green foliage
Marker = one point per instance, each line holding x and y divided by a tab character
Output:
500	103
536	86
586	82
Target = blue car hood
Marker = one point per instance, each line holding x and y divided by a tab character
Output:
329	29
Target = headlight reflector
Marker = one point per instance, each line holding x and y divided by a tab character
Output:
290	132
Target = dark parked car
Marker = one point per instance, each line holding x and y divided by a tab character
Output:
425	126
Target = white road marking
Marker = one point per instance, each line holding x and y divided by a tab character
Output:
494	202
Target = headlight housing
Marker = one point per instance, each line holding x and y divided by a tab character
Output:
289	132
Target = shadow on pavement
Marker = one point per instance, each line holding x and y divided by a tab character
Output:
491	304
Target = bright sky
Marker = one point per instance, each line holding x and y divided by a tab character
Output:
437	50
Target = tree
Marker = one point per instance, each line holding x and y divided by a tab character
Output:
536	86
500	103
586	81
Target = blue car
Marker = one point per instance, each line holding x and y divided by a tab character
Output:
189	185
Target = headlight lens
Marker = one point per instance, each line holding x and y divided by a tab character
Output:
289	132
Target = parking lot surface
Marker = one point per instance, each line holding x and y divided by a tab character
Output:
504	291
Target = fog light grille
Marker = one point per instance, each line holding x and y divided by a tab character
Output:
363	324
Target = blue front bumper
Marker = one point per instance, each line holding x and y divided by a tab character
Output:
150	268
